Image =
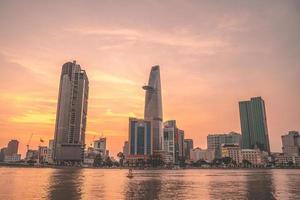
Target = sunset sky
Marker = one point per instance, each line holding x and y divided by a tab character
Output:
212	54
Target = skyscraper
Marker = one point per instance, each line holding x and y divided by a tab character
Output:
71	114
254	124
153	107
140	142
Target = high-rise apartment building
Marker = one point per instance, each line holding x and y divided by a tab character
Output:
153	107
291	144
254	124
71	115
188	146
140	140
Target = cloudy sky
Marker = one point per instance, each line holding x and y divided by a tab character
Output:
212	54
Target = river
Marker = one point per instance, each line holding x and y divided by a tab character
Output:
48	183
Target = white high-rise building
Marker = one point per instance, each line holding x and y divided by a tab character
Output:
71	115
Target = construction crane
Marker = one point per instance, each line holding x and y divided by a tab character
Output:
29	141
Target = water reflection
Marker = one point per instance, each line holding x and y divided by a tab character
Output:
231	181
161	184
66	184
143	187
292	185
157	184
260	185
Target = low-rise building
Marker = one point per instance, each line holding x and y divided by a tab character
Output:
202	154
12	158
232	151
215	141
283	160
254	156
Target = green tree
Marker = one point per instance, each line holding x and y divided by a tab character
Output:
98	161
121	157
246	163
108	161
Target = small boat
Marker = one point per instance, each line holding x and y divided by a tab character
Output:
130	174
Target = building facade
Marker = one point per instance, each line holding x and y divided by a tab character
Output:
43	154
12	147
254	156
32	155
10	153
215	141
282	160
12	158
173	141
201	154
254	124
291	143
71	115
232	151
100	145
140	137
188	146
50	152
126	149
153	107
2	154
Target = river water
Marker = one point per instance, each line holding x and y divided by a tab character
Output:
47	183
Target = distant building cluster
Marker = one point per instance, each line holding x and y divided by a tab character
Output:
149	138
151	141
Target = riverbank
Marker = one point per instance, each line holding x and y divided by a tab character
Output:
24	165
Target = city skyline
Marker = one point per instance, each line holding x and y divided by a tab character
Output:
207	67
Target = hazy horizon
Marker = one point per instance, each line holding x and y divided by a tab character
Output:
212	54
